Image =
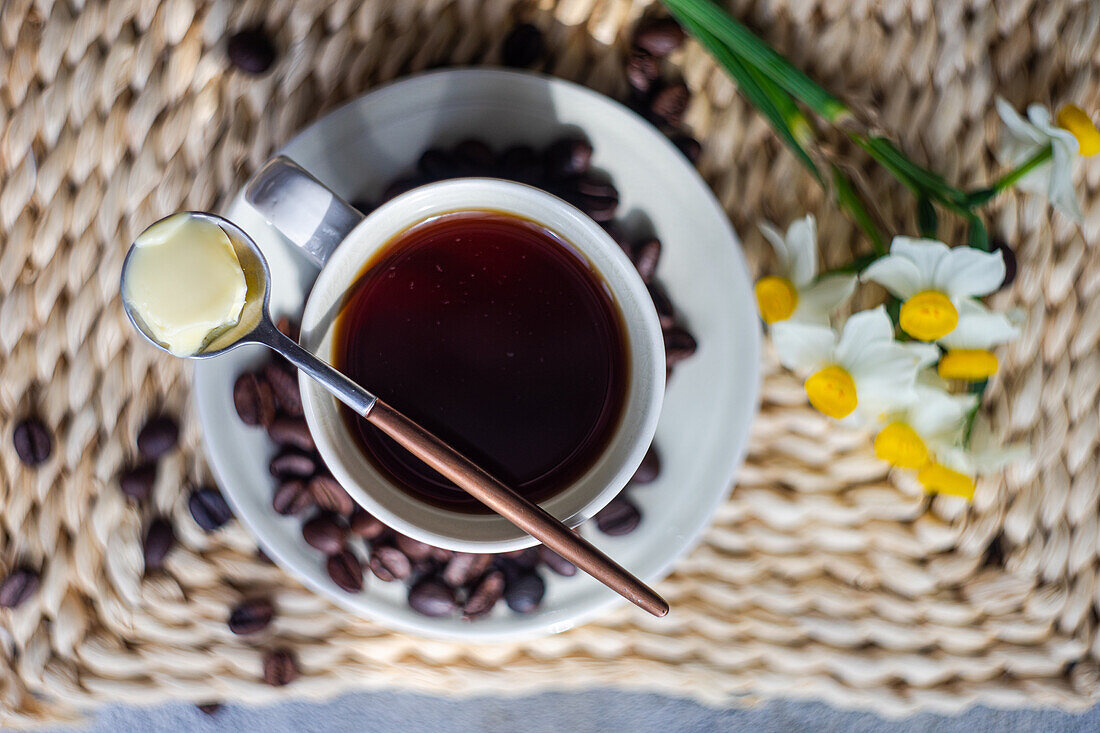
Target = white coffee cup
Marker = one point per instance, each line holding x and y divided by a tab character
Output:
341	241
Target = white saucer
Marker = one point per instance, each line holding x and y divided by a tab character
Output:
357	150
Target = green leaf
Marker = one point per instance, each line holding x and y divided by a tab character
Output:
849	200
927	221
978	235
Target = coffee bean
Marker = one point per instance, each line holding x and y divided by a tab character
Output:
389	563
280	667
346	571
209	509
159	436
291	431
254	400
325	533
645	257
556	562
521	163
663	304
568	157
251	616
415	550
430	596
209	708
159	538
366	526
688	145
649	468
484	595
251	50
679	344
642	69
18	587
659	36
292	497
288	327
292	464
595	197
33	443
523	46
400	186
474	157
619	517
137	483
669	102
526	558
616	232
436	164
284	386
523	594
1010	261
465	567
263	556
330	495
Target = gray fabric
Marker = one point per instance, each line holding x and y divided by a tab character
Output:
596	711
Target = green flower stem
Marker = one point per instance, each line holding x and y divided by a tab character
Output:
983	195
849	200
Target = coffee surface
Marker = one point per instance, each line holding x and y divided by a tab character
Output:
497	336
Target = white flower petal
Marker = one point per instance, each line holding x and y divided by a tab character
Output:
897	274
884	381
803	347
1060	189
779	244
925	253
924	355
802	246
1021	138
817	301
863	332
937	415
979	327
967	272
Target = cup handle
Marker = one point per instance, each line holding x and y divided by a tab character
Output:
303	209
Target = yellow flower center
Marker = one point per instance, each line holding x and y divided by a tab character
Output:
973	365
776	298
928	316
939	479
899	445
1073	118
832	391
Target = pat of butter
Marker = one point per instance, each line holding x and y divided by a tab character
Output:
185	281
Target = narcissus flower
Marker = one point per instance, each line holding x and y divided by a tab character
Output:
933	280
956	467
1024	139
796	293
864	369
969	347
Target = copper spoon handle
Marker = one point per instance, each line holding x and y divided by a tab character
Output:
526	515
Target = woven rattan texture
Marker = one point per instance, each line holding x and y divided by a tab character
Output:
822	576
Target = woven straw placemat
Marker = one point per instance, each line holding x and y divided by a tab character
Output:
822	576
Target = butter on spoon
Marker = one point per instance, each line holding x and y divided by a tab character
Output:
185	282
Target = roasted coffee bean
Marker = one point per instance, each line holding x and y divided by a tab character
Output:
292	497
665	314
209	508
280	667
346	571
364	525
288	327
400	186
209	708
556	562
251	616
326	533
330	495
137	483
284	386
688	145
523	46
528	557
254	400
416	550
465	567
292	464
669	102
595	197
159	539
389	563
523	594
650	467
263	556
659	36
679	344
645	256
159	436
642	70
619	517
484	595
432	597
291	431
474	157
568	157
33	443
18	587
251	50
1010	261
521	163
436	164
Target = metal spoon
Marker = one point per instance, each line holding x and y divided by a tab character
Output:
256	327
